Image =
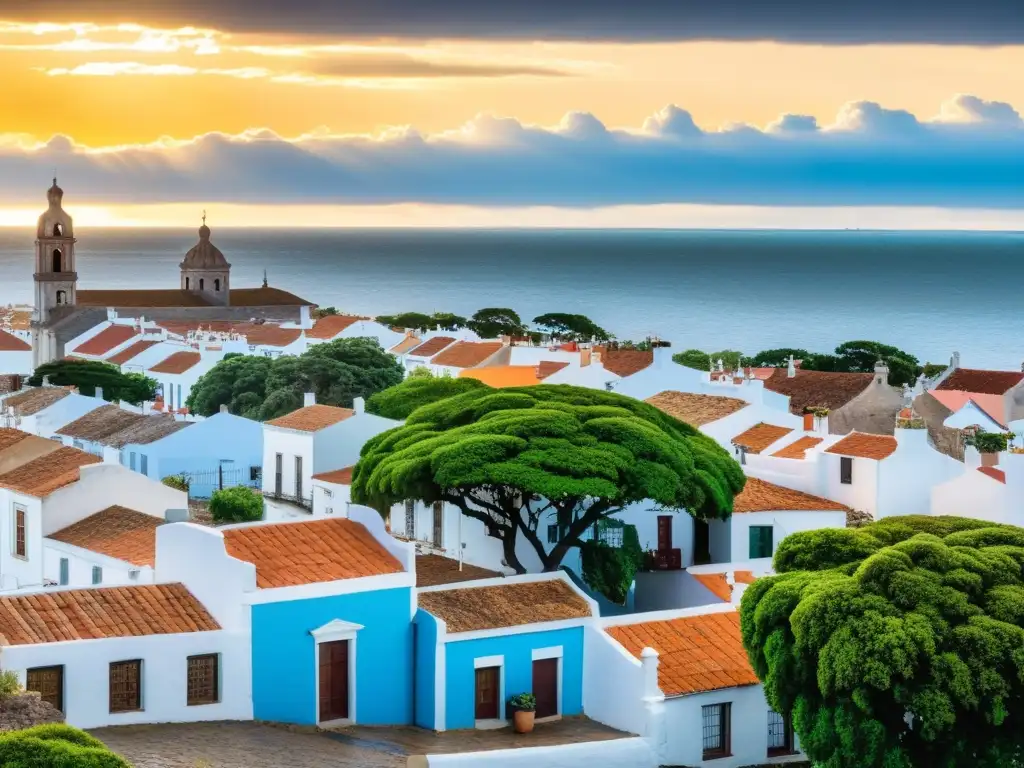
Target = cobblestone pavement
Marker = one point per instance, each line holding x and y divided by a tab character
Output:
252	745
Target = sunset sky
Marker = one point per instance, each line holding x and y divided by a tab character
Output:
594	114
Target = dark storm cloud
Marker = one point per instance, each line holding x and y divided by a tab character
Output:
984	22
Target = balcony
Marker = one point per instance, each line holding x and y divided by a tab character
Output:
305	503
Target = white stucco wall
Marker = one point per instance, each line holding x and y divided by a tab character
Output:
164	676
16	361
783	524
289	444
20	572
63	412
613	683
618	753
906	479
81	562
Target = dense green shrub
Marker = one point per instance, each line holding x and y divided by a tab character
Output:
87	375
236	505
178	482
10	685
611	570
989	442
55	746
399	401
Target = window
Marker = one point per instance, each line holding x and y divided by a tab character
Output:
216	285
48	682
201	282
410	519
845	470
62	297
65	567
97	575
187	281
20	524
131	461
438	523
715	730
298	477
552	534
255	473
58	230
760	541
780	735
143	464
203	682
56	260
126	686
278	472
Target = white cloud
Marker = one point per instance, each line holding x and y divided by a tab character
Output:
869	156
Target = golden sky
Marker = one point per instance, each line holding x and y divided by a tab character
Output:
110	86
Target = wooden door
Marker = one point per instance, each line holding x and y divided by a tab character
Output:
664	532
545	686
334	680
487	684
48	682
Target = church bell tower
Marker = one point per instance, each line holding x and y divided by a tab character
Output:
56	281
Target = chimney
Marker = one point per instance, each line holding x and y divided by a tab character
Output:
595	357
176	516
584	357
99	392
881	372
954	361
791	370
308	399
223	407
649	665
808	422
359	405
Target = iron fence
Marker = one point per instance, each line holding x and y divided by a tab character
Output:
202	483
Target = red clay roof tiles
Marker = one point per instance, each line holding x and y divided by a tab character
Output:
697	653
994	472
760	496
11	343
117	532
506	605
431	347
798	448
760	436
106	340
329	326
178	362
817	389
981	381
341	476
134	350
625	362
46	474
31	401
293	554
312	418
864	446
466	354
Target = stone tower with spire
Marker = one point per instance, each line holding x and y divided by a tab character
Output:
56	281
205	271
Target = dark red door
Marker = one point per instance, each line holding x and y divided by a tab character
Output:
545	686
487	680
334	680
664	532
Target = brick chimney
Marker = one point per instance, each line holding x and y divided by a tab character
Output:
808	422
585	357
791	369
881	372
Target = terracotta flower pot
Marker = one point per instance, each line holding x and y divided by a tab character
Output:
523	721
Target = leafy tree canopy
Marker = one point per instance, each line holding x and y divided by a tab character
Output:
399	401
861	356
778	358
560	325
493	322
702	361
261	388
87	375
511	457
897	644
413	320
447	321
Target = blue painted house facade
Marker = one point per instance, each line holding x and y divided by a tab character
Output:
465	677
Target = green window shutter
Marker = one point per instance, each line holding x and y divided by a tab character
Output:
760	541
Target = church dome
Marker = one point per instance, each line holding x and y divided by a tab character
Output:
204	254
55	194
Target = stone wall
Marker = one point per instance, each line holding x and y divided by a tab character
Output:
945	440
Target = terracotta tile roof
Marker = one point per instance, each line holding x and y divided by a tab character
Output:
99	423
696	654
817	389
547	367
31	401
760	436
506	605
991	405
466	354
46	474
11	343
9	437
743	577
983	382
798	448
499	376
117	532
92	614
177	362
994	472
259	334
431	347
760	496
716	584
312	418
406	344
696	409
266	297
292	554
864	446
432	570
134	350
625	362
145	431
341	476
329	326
175	297
106	340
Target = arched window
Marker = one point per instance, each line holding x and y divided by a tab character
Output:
62	297
58	230
200	283
56	260
216	285
187	281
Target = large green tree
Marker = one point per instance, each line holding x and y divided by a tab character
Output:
899	644
569	327
778	358
515	457
87	375
861	357
260	388
399	401
492	322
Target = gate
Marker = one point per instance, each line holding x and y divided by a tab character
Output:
202	483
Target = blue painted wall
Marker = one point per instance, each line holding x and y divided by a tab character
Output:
426	656
460	683
284	656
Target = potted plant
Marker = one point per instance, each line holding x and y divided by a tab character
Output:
523	706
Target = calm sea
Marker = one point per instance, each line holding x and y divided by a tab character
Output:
929	293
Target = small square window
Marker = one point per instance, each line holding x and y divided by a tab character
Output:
203	679
65	568
552	534
97	575
716	730
761	541
126	686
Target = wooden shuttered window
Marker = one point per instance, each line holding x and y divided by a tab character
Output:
126	686
20	539
845	470
203	679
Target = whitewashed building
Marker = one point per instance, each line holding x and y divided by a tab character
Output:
43	410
